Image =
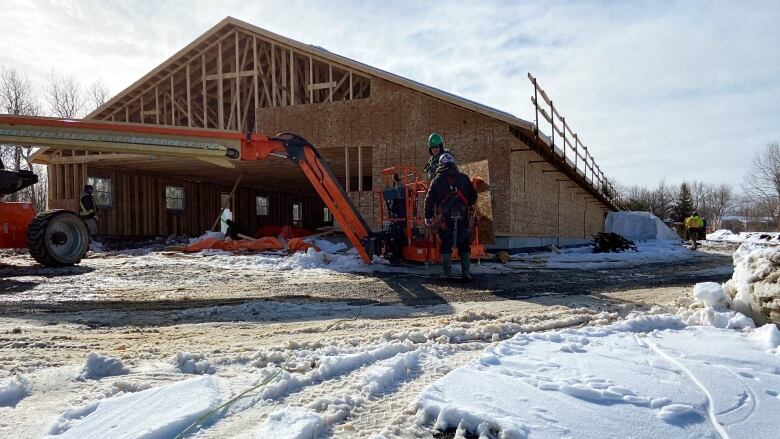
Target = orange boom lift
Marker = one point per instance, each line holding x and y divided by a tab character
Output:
58	237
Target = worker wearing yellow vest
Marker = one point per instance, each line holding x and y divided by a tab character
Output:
694	225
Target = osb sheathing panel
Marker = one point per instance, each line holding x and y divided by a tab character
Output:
485	218
396	122
547	203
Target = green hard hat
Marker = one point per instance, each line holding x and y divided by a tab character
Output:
435	140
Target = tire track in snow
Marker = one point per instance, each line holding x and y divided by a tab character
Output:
710	400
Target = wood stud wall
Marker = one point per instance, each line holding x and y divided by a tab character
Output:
224	83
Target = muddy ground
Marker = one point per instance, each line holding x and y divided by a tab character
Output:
146	309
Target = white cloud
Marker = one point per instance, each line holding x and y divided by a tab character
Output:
675	89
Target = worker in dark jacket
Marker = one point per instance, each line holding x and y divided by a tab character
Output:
435	149
448	205
88	211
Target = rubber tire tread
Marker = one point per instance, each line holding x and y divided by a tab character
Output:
36	238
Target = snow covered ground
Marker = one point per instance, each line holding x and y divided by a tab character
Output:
650	251
547	365
756	237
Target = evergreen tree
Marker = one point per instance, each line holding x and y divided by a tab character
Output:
683	205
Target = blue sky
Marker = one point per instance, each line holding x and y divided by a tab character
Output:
674	89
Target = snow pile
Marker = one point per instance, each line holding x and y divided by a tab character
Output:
669	378
192	363
755	285
639	226
14	391
711	294
99	366
290	423
161	412
208	235
327	246
724	235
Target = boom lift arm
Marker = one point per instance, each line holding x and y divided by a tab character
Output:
215	146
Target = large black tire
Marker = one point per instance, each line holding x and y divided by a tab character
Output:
57	238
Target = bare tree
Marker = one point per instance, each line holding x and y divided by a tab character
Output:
17	97
97	95
662	200
762	182
65	97
719	199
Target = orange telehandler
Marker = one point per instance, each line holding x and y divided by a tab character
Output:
59	237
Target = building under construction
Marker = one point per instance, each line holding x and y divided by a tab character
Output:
238	77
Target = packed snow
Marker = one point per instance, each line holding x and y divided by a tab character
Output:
14	391
583	257
698	369
669	378
161	412
100	366
724	235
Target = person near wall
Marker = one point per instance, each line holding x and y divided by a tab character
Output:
435	149
88	211
448	205
694	224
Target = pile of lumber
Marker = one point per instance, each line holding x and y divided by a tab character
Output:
611	242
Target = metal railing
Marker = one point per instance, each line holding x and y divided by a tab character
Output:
578	159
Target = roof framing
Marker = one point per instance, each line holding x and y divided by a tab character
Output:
180	64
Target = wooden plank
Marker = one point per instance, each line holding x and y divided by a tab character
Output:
330	81
350	85
292	77
203	84
173	105
157	105
189	98
273	75
238	89
255	69
311	81
322	86
220	94
230	196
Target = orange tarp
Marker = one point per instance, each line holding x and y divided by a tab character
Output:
262	244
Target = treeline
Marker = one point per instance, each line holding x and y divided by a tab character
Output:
755	203
61	96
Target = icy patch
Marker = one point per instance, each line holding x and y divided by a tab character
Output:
14	391
99	366
711	294
290	423
161	412
193	363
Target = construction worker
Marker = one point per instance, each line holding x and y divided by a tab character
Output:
694	224
88	211
448	204
435	149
